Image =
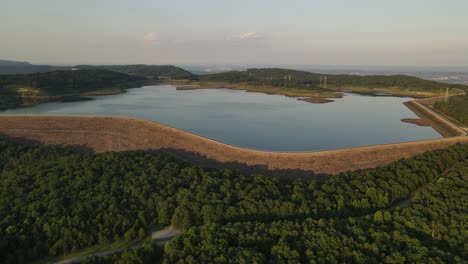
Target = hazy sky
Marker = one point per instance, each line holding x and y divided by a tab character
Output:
319	32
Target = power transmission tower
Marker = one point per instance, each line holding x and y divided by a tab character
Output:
320	86
325	82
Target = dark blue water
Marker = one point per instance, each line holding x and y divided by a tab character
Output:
258	121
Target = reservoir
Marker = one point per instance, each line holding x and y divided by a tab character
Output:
256	120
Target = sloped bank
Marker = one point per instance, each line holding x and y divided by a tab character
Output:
441	124
104	134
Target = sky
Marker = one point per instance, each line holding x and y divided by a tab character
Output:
427	33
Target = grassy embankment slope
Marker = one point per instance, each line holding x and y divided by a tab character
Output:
455	107
26	89
307	84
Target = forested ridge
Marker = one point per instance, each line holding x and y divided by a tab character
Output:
61	83
54	201
456	107
294	78
142	70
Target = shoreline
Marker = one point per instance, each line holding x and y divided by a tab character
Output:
28	101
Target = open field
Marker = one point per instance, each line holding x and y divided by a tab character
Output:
104	134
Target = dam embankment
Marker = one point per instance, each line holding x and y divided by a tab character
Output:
103	134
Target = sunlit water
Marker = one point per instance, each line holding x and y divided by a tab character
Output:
255	120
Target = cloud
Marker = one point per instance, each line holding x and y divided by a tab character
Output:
150	37
243	36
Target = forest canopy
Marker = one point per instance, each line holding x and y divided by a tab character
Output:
55	201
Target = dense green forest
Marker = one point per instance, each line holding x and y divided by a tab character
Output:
61	83
293	78
54	201
456	107
9	98
69	82
148	71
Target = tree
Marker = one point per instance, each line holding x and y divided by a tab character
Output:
182	218
378	217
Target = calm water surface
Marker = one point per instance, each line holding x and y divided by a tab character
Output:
255	120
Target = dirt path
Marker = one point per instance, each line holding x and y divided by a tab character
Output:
80	259
165	233
158	235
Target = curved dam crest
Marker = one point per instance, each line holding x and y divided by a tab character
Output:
103	134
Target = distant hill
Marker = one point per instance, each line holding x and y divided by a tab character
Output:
60	82
147	71
14	63
294	78
22	67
